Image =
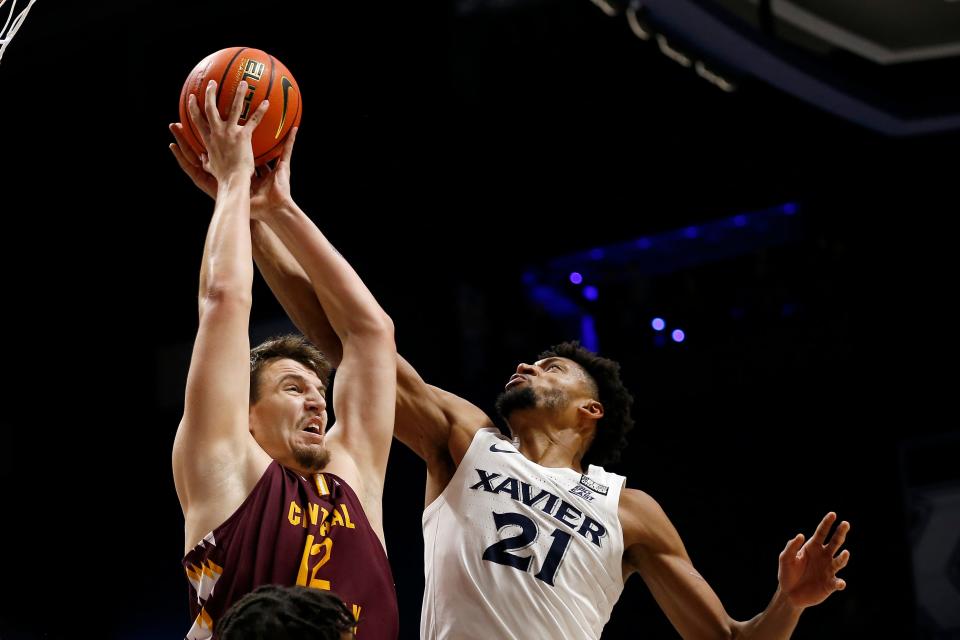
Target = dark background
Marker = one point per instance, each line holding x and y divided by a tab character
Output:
445	154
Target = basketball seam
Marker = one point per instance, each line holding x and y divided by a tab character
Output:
193	128
226	70
273	72
194	131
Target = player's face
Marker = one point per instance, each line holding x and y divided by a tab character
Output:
549	383
289	419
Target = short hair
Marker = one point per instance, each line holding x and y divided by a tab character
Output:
289	346
611	435
286	613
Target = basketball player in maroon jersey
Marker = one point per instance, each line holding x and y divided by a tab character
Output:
269	497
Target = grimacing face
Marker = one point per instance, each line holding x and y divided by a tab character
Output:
289	419
549	383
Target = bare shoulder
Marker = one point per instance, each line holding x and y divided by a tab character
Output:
642	518
465	420
213	482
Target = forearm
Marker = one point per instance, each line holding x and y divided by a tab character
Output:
776	622
293	289
349	306
420	422
226	267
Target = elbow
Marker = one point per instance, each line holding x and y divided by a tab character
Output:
375	332
378	327
386	325
223	295
731	630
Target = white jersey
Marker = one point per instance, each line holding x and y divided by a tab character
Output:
514	550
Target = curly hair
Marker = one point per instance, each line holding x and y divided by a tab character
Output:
611	435
289	346
286	613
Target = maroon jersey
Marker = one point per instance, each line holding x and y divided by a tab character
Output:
294	531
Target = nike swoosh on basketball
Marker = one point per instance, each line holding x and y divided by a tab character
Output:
286	84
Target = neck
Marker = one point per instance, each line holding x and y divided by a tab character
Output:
299	469
547	442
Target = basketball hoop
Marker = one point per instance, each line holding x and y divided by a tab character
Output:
12	24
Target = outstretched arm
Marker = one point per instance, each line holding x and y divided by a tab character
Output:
435	424
209	446
807	576
365	393
427	418
653	549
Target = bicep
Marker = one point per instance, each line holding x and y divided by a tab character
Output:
215	424
216	401
661	559
434	423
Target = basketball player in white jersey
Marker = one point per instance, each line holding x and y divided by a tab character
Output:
514	530
527	539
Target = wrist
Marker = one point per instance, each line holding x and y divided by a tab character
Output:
783	603
233	180
285	207
282	213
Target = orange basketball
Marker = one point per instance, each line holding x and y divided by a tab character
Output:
267	78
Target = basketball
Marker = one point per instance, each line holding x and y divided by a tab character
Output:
266	77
